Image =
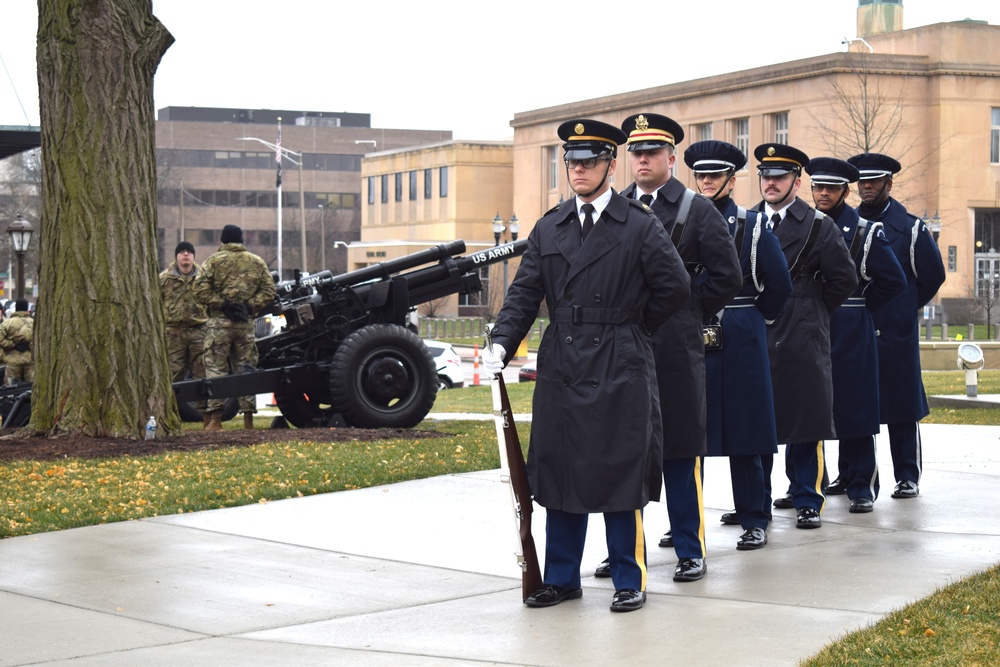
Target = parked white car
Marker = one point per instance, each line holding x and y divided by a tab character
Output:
449	364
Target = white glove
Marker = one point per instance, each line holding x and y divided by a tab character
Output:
493	356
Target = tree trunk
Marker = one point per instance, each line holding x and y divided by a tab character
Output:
100	354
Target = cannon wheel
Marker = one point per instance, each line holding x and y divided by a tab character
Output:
189	413
303	410
383	376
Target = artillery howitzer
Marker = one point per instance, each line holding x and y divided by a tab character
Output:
344	351
344	355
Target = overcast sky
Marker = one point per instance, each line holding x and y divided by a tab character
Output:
460	66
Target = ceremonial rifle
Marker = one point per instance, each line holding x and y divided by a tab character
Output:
515	475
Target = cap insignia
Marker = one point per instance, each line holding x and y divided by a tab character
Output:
578	128
770	151
641	123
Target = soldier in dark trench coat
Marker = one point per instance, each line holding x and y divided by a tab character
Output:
609	275
702	238
823	277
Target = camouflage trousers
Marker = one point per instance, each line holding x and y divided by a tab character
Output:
19	372
225	340
186	351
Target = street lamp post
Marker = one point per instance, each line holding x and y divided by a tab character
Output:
20	236
296	159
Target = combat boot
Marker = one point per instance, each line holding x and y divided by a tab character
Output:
213	421
248	421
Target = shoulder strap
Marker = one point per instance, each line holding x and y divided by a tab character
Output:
682	214
858	237
758	229
800	259
741	222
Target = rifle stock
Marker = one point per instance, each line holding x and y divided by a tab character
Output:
514	473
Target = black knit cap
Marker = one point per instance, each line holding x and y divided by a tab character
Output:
182	246
21	305
231	234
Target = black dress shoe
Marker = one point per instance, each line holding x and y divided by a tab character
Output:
690	569
754	538
808	518
667	540
784	502
836	488
730	518
603	571
861	506
550	596
906	490
628	600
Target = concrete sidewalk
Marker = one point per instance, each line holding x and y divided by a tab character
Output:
422	573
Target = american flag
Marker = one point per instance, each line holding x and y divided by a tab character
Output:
277	155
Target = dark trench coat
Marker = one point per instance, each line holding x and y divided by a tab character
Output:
799	341
711	259
596	430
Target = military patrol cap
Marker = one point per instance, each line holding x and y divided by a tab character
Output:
778	159
649	131
710	157
874	165
585	139
831	171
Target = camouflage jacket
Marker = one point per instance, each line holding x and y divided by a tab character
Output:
19	327
237	275
180	308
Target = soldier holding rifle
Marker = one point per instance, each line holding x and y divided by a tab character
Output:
609	275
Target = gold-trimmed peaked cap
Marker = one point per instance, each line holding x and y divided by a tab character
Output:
649	131
778	159
585	139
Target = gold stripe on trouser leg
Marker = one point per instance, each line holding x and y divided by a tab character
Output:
820	467
699	488
640	547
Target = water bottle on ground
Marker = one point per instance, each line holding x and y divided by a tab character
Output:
151	428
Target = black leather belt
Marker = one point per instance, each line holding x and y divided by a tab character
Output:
581	315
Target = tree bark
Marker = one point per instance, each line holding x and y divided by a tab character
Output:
100	353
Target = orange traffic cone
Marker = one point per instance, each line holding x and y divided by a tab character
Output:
475	365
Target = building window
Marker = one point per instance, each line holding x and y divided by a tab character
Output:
385	188
704	132
399	187
995	136
443	182
781	128
428	184
552	160
371	189
743	136
413	186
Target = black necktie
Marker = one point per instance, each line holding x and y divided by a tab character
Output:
773	224
588	218
646	199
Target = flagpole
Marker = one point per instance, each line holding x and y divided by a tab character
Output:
278	159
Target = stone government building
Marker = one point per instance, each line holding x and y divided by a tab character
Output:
937	93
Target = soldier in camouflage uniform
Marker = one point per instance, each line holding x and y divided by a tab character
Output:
234	284
16	333
185	318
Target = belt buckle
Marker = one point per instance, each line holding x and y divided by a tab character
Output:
577	315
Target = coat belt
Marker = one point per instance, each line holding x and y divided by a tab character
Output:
581	315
